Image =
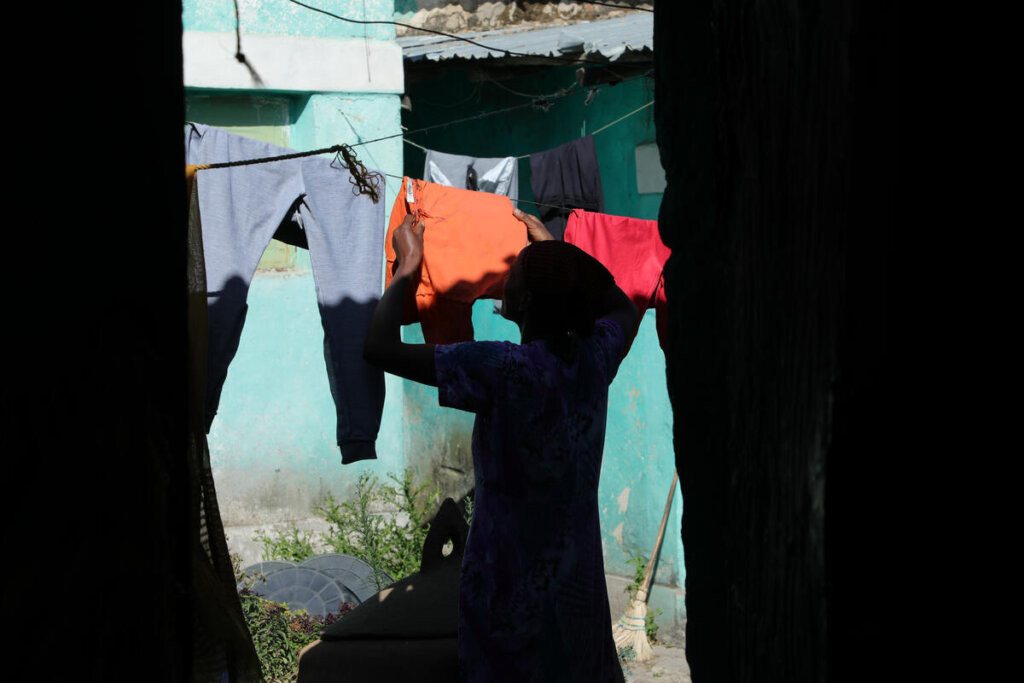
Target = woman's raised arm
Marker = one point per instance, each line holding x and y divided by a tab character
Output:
384	347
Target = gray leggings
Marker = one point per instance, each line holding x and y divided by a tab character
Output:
241	208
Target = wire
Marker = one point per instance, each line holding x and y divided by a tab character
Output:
238	35
506	53
449	105
540	103
264	160
622	118
560	91
416	144
524	156
239	55
608	125
550	206
339	148
535	103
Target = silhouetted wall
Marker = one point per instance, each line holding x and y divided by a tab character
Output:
95	506
779	131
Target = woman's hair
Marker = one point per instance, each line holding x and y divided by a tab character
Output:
567	289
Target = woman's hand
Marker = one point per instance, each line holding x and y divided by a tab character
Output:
535	230
408	243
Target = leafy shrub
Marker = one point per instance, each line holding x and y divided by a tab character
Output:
390	543
278	634
292	545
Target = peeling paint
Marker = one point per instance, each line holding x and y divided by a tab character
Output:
617	533
623	501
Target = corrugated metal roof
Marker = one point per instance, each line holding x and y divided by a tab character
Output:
610	39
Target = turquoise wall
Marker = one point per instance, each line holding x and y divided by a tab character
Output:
456	94
280	17
272	443
639	457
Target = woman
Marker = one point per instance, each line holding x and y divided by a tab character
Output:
533	605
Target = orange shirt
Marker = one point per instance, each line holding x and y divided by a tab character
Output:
470	240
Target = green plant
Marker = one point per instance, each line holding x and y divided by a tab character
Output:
391	543
278	634
292	545
639	565
651	626
627	656
352	528
467	505
405	540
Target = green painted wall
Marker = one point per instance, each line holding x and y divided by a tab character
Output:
639	457
272	443
455	95
280	17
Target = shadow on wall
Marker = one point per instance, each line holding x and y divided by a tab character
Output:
437	441
356	387
265	482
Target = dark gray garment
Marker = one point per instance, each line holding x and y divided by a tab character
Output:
499	175
566	176
241	208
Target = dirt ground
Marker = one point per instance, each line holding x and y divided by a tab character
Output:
668	665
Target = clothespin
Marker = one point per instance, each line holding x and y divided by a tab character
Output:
410	196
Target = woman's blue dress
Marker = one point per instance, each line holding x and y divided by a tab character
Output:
533	605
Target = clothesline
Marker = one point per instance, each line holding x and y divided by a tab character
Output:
342	147
353	163
609	125
542	102
364	179
550	206
602	128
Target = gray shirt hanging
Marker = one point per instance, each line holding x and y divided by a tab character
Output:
498	175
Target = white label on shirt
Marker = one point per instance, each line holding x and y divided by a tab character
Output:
409	196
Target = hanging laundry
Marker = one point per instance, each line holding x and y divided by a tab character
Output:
499	175
631	248
566	176
242	207
470	240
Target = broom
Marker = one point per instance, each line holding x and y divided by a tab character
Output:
631	629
